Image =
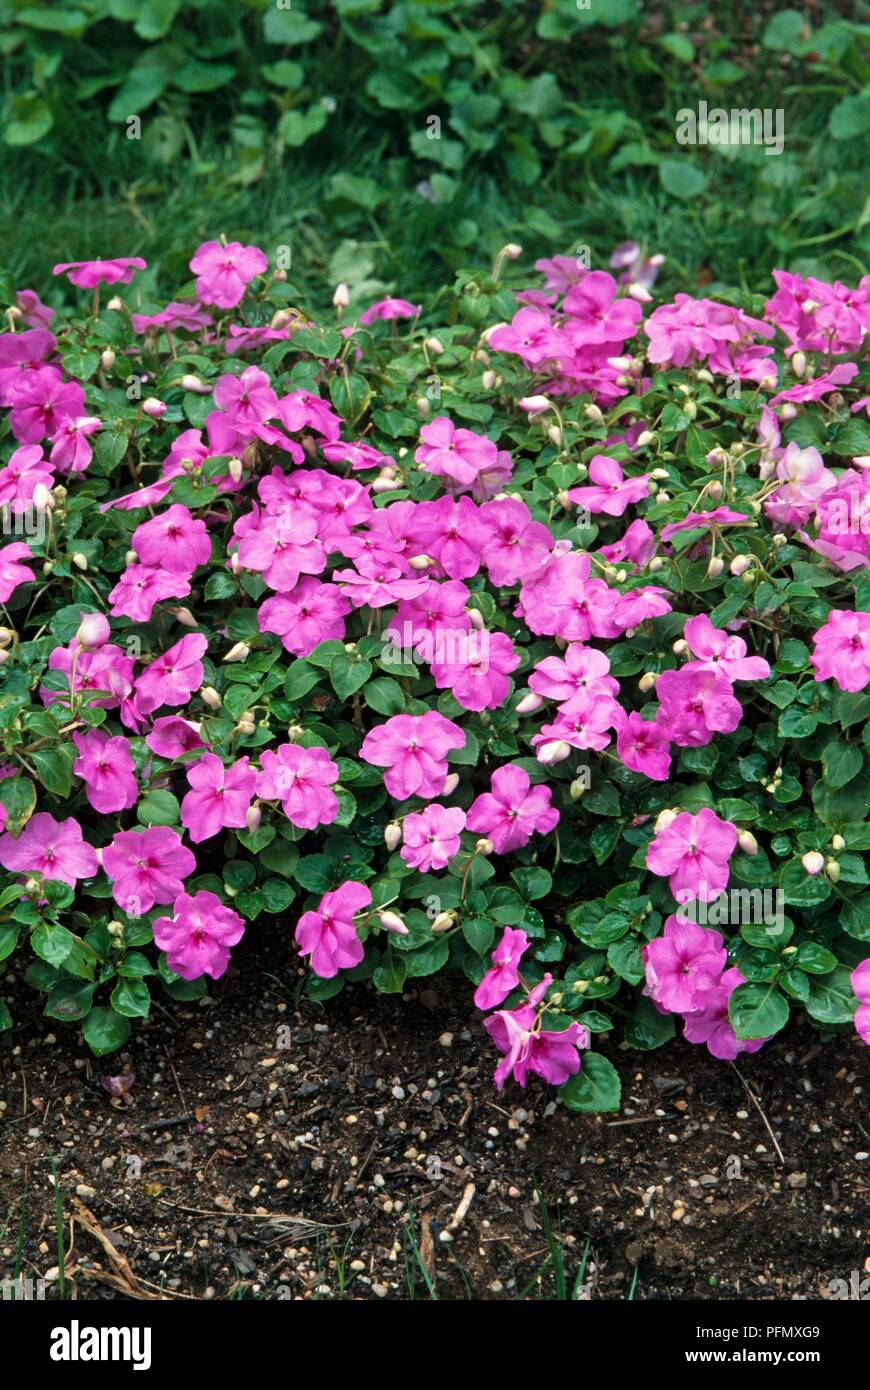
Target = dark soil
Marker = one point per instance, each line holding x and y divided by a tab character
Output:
271	1151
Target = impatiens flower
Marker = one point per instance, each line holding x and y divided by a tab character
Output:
452	532
106	767
692	852
683	966
88	274
582	668
413	748
173	677
302	780
219	797
175	316
175	540
43	403
172	737
457	454
55	849
498	982
584	721
710	1023
610	491
639	605
431	837
644	746
34	312
141	586
26	467
804	480
513	810
198	936
70	450
389	309
596	315
147	867
311	613
328	934
637	544
841	648
12	572
860	979
517	545
478	677
224	272
552	1055
704	521
822	385
695	704
719	651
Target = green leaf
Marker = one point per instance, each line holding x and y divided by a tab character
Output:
70	1000
131	998
815	959
5	1017
389	977
158	807
52	942
831	997
757	1011
105	1031
348	675
595	1089
850	118
625	958
55	766
26	119
841	762
681	178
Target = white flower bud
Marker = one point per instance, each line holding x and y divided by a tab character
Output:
813	862
787	410
664	819
444	921
832	869
715	567
646	682
799	364
484	846
393	835
107	359
556	751
253	818
79	560
239	651
488	379
341	297
747	842
422	407
210	697
740	564
433	345
535	405
838	843
530	703
451	782
391	921
593	413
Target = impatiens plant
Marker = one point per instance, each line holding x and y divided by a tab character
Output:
525	638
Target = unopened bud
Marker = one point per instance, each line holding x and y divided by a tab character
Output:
433	345
391	921
646	682
664	819
594	413
185	617
577	788
444	921
210	697
832	869
813	862
556	751
42	498
655	564
787	411
838	843
780	540
484	846
715	567
535	405
93	631
107	359
253	818
154	408
476	618
645	438
530	703
116	303
640	293
393	835
799	364
488	379
235	469
6	636
195	384
680	646
79	560
511	252
451	782
740	564
341	297
554	434
421	562
422	406
239	651
747	842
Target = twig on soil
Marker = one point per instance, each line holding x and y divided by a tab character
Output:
126	1279
166	1124
755	1101
459	1215
637	1120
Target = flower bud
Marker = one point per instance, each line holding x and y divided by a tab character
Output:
116	303
645	438
210	697
393	835
476	618
235	469
391	921
748	577
680	647
421	562
279	275
42	498
488	379
451	782
715	567
799	364
660	474
253	818
640	293
554	434
246	725
433	345
740	564
154	408
780	540
6	636
195	384
832	869
594	413
813	862
240	651
530	703
444	921
577	788
655	564
422	407
511	252
93	631
484	846
664	819
79	560
384	484
646	682
535	405
4	656
341	297
107	359
115	929
838	843
690	408
553	752
747	842
787	411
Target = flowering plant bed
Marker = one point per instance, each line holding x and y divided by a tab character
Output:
525	640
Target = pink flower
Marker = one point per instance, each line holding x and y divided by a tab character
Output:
596	315
683	966
820	386
841	649
141	586
692	852
611	491
695	704
219	799
147	867
498	982
172	737
513	810
198	936
106	767
43	403
88	274
479	677
247	399
582	669
26	467
36	314
311	613
554	1056
389	309
710	1023
21	354
639	605
637	544
328	935
717	651
431	836
584	721
517	545
531	336
860	979
176	315
414	748
12	572
55	849
457	454
704	521
301	779
174	540
805	478
644	747
452	532
224	272
70	450
173	677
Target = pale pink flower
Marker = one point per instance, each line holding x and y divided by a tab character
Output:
224	272
841	649
328	934
684	966
311	613
88	274
172	678
413	748
498	982
302	780
430	838
55	849
610	491
147	867
692	852
106	767
175	540
513	810
198	936
219	798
